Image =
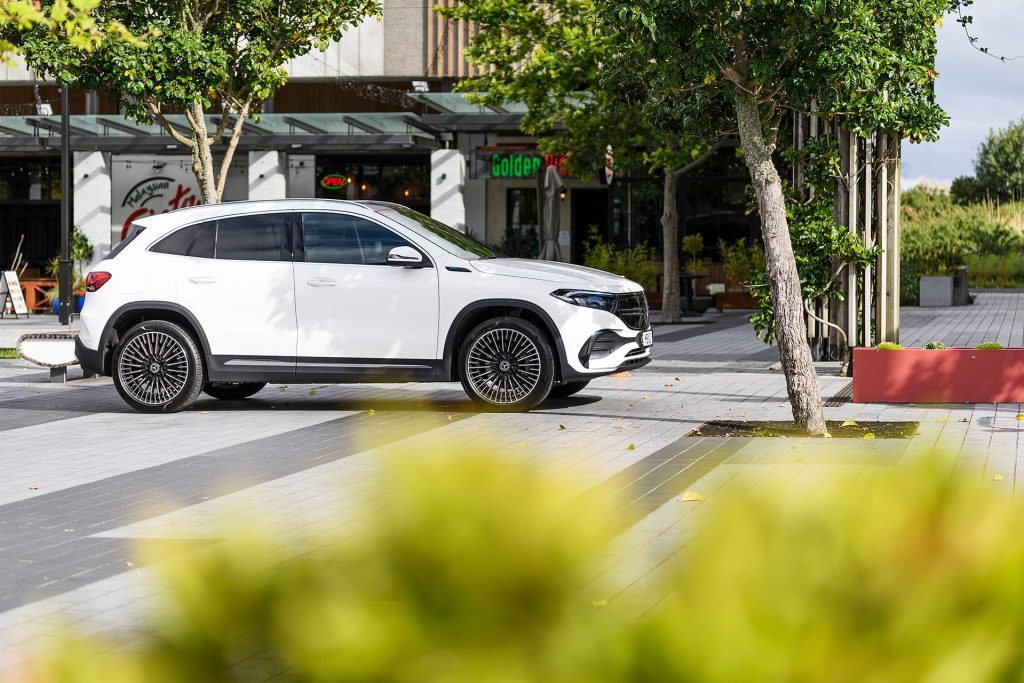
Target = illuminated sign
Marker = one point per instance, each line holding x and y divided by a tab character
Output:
335	181
515	163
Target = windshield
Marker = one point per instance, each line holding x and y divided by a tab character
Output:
447	238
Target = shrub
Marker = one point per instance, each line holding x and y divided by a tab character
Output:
693	246
637	263
989	346
741	260
481	570
934	345
888	346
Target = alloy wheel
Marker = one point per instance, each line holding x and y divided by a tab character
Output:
504	366
153	368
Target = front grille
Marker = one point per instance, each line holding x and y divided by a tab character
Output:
632	310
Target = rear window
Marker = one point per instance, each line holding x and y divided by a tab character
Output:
133	232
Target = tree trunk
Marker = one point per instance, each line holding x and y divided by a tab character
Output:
670	241
202	155
784	280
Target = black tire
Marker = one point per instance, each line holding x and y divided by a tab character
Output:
507	364
158	368
567	389
232	391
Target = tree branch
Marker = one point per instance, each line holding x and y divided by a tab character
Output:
229	153
154	110
699	161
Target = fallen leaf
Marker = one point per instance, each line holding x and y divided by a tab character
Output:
371	411
678	380
205	412
643	398
129	563
33	487
827	435
522	445
670	385
631	447
869	435
691	497
619	375
965	420
998	477
849	423
312	392
618	419
1020	416
599	603
942	420
561	428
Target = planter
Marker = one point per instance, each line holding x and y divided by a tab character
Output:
936	291
725	300
938	376
79	303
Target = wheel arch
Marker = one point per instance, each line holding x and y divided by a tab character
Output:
486	309
131	314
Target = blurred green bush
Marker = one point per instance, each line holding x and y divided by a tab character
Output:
635	263
471	570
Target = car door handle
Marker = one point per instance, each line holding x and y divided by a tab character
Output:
199	280
321	282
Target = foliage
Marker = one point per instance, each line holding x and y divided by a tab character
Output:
966	190
999	167
637	263
480	569
741	260
934	346
223	58
989	346
939	234
816	238
888	346
9	354
693	246
74	22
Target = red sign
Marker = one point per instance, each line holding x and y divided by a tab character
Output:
335	181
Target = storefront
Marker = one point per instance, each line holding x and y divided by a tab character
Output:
403	179
29	211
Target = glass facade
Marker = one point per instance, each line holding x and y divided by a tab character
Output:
29	211
400	179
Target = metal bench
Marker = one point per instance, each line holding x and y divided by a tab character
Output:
54	350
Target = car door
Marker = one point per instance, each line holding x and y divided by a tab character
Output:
237	282
357	315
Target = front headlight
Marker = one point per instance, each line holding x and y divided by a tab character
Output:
598	300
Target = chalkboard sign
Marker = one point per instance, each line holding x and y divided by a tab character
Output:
11	289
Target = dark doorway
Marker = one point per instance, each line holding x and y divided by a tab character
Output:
589	209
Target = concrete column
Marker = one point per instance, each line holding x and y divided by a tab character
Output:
268	175
474	193
90	179
301	175
447	181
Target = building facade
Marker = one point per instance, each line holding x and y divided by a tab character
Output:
372	117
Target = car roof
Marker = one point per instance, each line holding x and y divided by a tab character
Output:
162	222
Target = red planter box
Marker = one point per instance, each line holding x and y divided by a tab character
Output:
938	376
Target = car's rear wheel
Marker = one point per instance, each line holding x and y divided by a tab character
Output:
507	364
158	367
232	391
567	389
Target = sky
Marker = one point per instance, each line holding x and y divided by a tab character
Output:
979	93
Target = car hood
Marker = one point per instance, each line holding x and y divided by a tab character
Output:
559	273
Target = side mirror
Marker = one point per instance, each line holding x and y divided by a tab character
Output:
405	257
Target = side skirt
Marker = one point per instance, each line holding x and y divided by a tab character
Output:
322	370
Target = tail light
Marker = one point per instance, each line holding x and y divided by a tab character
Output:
95	280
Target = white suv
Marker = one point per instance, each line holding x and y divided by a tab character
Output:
225	298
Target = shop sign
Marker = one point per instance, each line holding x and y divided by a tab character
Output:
335	181
516	164
144	187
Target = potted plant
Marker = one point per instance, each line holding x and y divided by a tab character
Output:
890	373
741	260
81	252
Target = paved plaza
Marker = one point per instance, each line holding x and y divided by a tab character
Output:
82	477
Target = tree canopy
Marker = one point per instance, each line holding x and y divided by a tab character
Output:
211	56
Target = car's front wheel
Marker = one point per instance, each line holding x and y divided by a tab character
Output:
158	367
507	364
232	391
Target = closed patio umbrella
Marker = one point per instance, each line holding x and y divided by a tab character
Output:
551	216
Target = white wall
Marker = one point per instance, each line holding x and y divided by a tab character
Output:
268	175
91	178
447	181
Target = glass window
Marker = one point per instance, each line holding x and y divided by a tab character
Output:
342	238
447	238
133	232
202	247
256	237
178	242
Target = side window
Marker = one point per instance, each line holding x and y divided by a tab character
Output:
340	238
253	238
178	242
202	246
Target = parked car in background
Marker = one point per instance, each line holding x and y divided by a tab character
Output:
226	298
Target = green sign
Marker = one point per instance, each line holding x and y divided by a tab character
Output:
518	164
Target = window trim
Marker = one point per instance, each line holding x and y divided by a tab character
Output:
299	254
287	245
